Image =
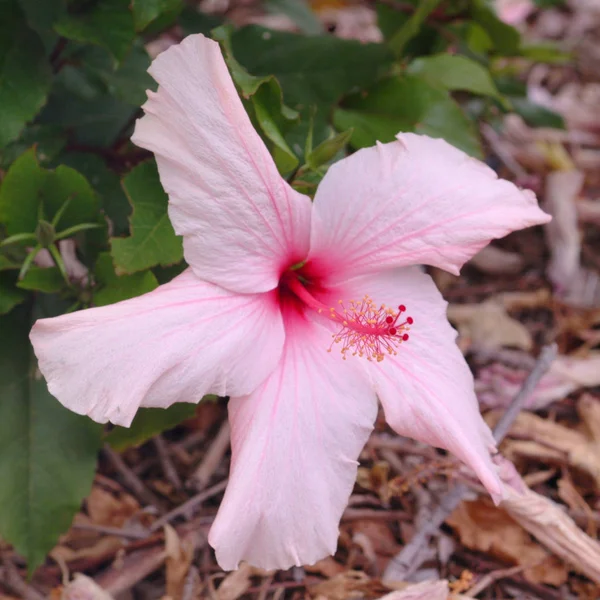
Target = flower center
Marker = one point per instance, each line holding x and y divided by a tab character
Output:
366	329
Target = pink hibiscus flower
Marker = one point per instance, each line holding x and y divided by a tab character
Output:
296	310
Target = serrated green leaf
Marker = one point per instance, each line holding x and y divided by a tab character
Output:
94	122
114	288
147	423
311	69
106	184
41	16
152	241
47	453
406	103
25	74
49	140
454	72
49	281
107	23
28	191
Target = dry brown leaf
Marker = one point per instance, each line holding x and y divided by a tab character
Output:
348	585
113	510
328	567
103	548
496	384
383	541
237	583
376	479
497	261
569	494
483	527
488	325
178	561
577	448
427	590
549	524
562	233
84	588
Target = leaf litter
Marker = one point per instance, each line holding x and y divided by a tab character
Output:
541	543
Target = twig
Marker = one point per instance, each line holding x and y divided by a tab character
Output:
16	583
131	480
166	463
116	531
406	561
492	577
212	459
191	504
545	359
501	151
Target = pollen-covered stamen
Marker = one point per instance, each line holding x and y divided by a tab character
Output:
370	330
366	329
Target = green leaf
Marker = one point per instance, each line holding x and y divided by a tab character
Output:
25	74
547	52
28	191
47	453
98	122
146	11
454	72
114	288
147	423
41	16
10	296
49	281
7	263
192	21
412	26
299	12
536	115
152	241
327	150
49	140
106	184
506	38
272	115
406	103
311	69
107	23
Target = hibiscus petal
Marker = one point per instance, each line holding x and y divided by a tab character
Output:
241	223
295	441
427	389
183	340
413	201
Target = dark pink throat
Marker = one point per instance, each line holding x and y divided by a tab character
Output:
365	329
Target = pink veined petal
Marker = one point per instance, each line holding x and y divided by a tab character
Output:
295	441
413	201
427	389
241	223
177	343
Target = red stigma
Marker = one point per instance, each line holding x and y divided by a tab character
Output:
369	330
409	320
